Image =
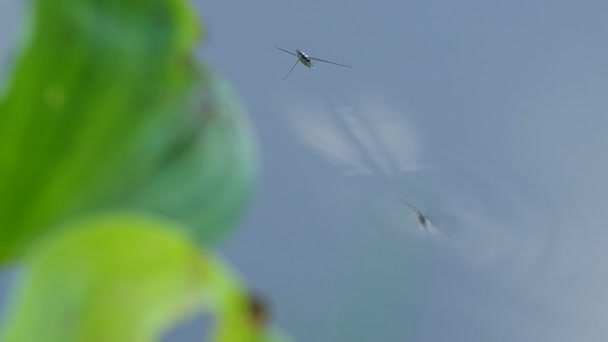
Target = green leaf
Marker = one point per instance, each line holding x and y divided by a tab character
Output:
124	277
107	108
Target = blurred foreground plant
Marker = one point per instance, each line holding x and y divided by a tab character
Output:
122	161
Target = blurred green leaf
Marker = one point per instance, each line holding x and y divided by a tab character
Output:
107	108
125	277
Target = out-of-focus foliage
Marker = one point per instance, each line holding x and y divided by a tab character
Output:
125	277
121	156
108	108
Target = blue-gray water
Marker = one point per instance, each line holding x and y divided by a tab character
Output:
490	115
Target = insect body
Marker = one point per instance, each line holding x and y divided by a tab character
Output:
306	60
423	219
